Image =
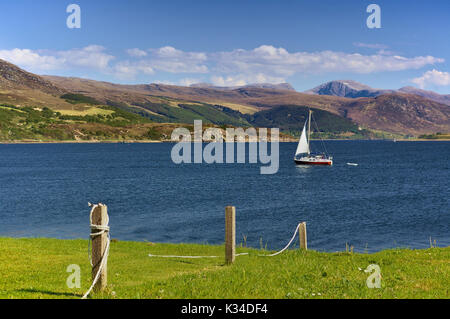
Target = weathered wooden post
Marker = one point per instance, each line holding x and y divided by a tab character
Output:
302	235
99	236
230	234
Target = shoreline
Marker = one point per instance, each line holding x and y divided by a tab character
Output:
424	140
82	142
158	141
184	244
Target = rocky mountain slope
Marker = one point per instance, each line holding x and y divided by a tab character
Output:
440	98
353	89
346	88
399	112
14	78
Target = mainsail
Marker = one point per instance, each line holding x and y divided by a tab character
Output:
303	146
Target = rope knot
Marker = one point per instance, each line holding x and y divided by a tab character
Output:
97	230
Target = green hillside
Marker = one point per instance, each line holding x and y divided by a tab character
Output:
188	112
79	99
90	120
28	123
291	118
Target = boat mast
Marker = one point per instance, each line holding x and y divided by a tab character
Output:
309	132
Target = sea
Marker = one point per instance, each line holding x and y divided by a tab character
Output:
397	196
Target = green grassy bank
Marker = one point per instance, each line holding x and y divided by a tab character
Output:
36	268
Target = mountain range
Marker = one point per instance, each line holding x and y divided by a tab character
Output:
352	89
279	86
407	111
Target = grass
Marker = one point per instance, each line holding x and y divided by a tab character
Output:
87	111
244	109
79	98
36	268
93	123
437	136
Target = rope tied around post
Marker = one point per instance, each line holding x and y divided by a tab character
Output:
98	230
299	226
287	246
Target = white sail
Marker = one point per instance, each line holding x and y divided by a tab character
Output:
303	146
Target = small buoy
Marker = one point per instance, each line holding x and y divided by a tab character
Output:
352	164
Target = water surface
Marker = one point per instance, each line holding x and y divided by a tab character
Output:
398	196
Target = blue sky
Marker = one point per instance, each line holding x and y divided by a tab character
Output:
232	42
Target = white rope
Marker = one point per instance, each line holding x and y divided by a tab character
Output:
287	246
97	230
195	257
192	257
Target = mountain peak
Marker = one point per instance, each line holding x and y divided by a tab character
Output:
352	84
346	88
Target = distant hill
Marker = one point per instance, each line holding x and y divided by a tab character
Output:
353	89
280	86
291	118
444	99
400	112
346	88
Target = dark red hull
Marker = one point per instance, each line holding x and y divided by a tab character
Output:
324	163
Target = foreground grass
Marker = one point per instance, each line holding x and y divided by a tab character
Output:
36	268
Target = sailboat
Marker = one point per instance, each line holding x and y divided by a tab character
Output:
303	155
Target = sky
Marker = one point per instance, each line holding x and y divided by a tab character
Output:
233	43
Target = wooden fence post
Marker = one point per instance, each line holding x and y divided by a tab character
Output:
303	237
230	234
99	217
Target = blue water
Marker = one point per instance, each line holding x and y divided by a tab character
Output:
398	196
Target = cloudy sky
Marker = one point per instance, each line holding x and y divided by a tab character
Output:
230	43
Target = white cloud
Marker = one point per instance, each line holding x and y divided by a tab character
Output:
227	81
188	81
31	60
376	46
136	52
164	82
229	68
169	59
92	56
243	79
433	77
129	70
279	62
165	59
